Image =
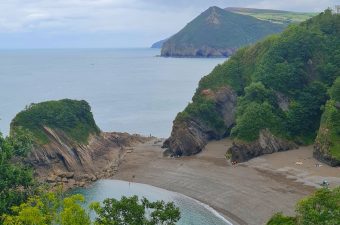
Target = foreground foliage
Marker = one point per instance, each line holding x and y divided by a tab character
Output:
322	208
49	208
16	179
53	208
129	210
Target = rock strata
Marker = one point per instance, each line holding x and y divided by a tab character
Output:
267	143
63	162
189	136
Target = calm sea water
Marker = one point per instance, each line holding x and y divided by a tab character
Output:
128	89
192	211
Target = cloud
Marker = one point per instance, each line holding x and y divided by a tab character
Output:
147	19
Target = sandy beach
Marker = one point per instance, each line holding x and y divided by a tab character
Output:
247	193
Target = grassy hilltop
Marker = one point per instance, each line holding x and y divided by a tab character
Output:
275	16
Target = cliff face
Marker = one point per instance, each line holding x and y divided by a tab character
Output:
190	135
267	143
217	33
62	161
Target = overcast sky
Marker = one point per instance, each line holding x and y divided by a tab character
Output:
113	23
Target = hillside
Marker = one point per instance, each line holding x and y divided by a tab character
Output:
217	33
281	85
275	16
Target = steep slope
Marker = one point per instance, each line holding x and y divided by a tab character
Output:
68	146
281	83
275	16
217	33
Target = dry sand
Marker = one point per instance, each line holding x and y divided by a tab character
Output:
248	193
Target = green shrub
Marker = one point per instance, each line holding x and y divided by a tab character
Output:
280	219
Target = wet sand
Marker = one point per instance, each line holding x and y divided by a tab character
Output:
248	193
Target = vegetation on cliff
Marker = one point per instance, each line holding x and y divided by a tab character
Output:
217	29
72	117
282	82
322	208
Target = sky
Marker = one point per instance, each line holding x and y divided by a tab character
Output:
114	23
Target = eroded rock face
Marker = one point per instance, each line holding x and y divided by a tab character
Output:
62	161
323	156
267	143
189	136
321	148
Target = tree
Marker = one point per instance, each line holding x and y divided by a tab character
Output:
129	210
322	208
73	213
16	179
49	208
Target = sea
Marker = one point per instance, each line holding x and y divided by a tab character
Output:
129	90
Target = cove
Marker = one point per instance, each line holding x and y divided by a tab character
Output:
193	212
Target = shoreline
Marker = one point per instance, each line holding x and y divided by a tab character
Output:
271	182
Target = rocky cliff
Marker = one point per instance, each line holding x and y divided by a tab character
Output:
267	143
68	147
190	134
62	161
217	33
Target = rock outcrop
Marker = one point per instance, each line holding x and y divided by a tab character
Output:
68	147
62	161
189	136
321	153
267	143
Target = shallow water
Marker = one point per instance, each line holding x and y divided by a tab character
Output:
192	211
128	89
